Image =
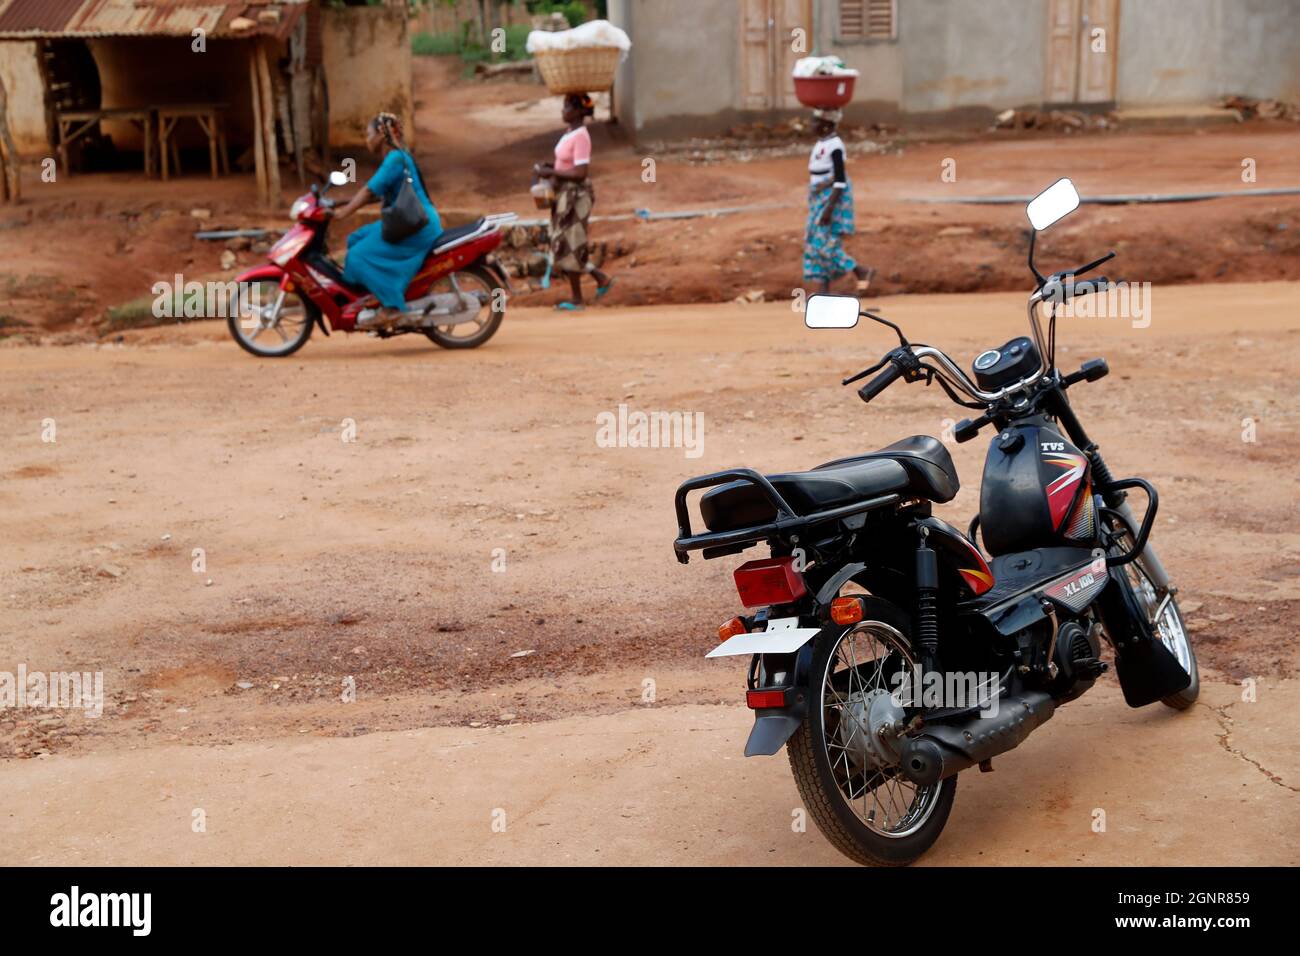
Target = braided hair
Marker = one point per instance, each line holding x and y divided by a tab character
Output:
582	102
390	127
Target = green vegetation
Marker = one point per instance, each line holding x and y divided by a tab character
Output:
574	11
467	47
435	44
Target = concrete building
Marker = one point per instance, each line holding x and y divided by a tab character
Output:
698	67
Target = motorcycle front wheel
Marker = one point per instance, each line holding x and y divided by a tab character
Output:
871	813
1165	621
268	322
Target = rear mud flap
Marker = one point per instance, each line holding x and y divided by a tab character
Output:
771	731
775	725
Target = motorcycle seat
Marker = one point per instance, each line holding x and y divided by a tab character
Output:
918	466
451	236
930	470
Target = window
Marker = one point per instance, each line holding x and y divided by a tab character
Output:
868	20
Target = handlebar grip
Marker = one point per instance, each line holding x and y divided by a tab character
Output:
967	428
1085	286
880	382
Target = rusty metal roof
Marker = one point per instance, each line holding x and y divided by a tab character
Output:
33	19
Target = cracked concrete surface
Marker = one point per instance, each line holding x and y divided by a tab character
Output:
1226	721
1215	785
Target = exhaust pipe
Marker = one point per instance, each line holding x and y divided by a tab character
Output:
941	750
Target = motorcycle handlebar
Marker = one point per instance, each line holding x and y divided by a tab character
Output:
880	382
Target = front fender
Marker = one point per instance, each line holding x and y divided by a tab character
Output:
260	273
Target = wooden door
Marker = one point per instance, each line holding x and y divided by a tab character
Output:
1062	51
767	53
1081	50
791	15
756	55
1098	35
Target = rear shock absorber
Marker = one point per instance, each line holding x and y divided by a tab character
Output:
927	612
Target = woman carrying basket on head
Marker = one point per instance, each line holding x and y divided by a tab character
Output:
574	198
830	209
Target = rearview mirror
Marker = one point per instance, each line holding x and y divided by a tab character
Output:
338	178
831	311
1053	204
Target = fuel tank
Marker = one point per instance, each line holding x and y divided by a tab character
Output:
1036	492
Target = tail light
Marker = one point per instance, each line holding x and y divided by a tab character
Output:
763	699
773	581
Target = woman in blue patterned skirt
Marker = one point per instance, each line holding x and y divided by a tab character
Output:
830	209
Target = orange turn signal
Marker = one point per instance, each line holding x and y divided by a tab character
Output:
729	629
846	610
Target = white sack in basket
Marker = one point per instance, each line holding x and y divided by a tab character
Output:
822	66
593	33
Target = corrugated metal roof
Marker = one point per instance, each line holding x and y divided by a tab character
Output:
31	19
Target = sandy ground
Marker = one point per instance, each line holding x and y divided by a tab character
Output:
373	559
666	786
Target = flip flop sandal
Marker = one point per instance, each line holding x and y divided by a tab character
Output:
864	284
602	289
569	307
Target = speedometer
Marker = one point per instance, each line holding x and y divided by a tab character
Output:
986	360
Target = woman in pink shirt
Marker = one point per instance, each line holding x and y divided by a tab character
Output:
574	198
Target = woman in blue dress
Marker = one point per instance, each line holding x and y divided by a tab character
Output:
387	268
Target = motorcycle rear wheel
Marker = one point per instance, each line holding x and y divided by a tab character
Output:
873	817
484	285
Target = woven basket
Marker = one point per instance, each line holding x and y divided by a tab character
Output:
584	70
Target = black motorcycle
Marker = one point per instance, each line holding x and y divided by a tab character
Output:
887	652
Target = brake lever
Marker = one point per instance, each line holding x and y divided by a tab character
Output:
866	371
1094	264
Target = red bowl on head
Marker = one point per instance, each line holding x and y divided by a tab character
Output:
824	92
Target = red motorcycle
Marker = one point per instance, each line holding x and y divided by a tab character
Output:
457	298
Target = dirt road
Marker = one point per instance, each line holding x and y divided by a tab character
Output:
474	556
1100	784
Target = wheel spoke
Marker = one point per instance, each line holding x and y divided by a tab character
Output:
858	669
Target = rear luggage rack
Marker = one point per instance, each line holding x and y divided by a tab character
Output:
786	520
489	223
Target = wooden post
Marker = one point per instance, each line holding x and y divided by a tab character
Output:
10	190
268	129
299	98
259	154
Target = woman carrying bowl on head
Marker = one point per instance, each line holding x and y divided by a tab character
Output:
574	197
830	209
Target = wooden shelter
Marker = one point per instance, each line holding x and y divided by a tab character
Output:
243	77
